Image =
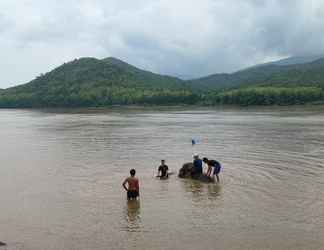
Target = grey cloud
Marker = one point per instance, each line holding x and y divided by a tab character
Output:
182	37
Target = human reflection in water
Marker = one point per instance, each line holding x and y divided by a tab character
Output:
133	215
202	191
214	190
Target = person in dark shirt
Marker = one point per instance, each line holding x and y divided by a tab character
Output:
197	168
163	170
215	164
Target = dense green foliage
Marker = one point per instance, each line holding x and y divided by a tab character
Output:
300	74
89	82
267	96
93	82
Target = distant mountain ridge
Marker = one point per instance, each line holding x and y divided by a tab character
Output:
89	81
296	60
271	73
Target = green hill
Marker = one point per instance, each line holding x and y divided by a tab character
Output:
93	82
273	84
89	82
296	74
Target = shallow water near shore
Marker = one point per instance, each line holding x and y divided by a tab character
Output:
61	173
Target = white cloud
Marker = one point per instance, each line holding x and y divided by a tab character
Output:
184	37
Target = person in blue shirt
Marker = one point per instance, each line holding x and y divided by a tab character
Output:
197	168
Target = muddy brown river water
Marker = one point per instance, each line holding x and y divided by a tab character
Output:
61	174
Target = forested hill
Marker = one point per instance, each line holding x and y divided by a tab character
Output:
295	74
93	82
89	82
273	84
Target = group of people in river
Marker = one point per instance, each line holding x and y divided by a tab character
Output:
131	183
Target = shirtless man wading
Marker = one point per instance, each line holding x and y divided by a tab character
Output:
132	186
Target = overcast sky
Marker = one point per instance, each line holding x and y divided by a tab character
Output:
186	38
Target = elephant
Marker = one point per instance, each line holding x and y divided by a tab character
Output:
187	170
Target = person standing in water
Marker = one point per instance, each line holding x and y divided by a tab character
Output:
132	187
197	166
210	164
163	170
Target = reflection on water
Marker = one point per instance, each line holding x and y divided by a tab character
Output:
61	174
133	210
214	190
202	191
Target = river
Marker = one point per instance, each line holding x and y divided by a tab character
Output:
61	173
